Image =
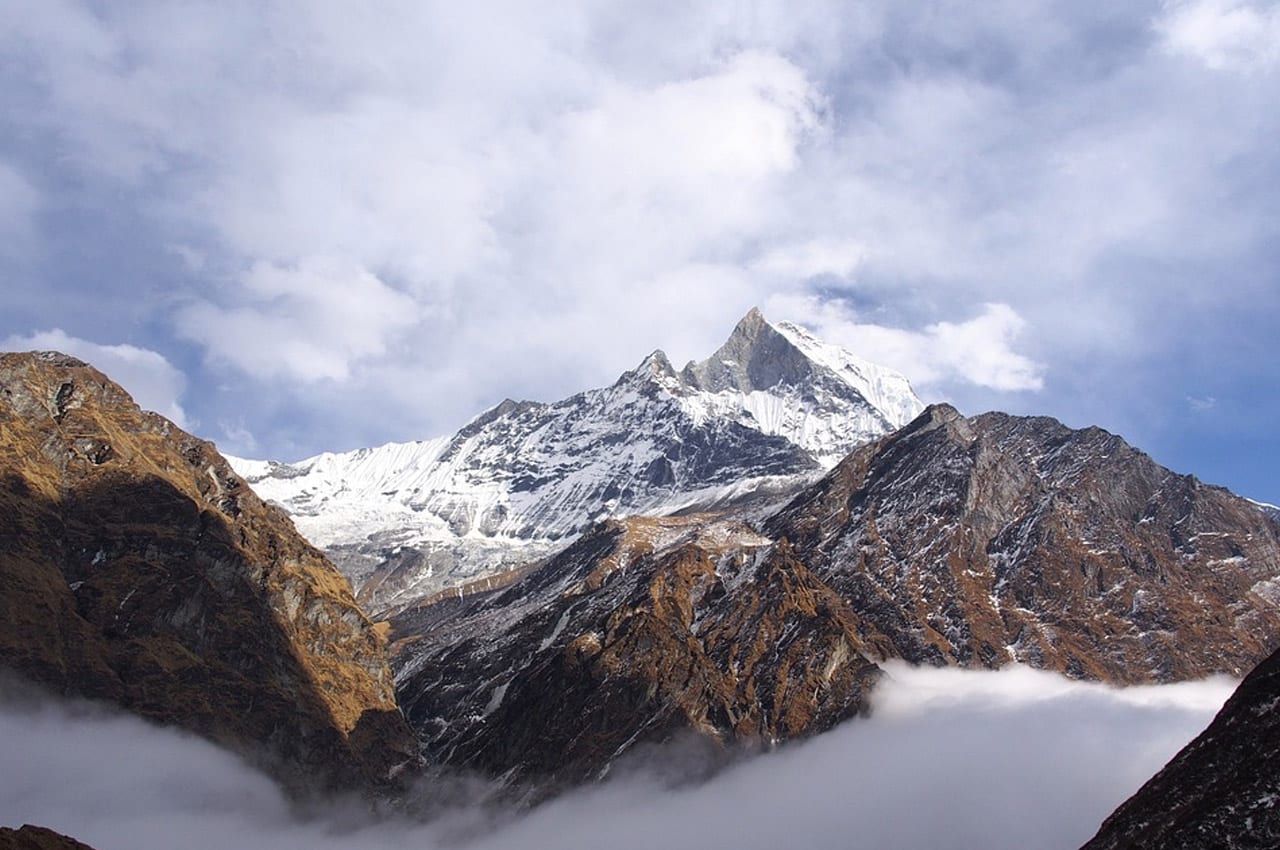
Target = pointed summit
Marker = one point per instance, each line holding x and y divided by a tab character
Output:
655	371
755	357
858	398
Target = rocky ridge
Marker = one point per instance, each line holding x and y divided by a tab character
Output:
766	413
1270	510
973	542
644	629
979	541
140	569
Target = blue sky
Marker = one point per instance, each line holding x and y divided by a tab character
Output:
303	227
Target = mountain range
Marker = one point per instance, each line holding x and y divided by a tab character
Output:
772	408
722	554
975	542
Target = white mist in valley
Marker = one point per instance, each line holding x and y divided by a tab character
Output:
949	759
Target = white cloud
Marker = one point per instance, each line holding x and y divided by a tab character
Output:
977	351
1223	34
539	197
520	194
917	692
812	258
310	322
1012	759
153	381
236	439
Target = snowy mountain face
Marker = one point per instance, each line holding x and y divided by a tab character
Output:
770	411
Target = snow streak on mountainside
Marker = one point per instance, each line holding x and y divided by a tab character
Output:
770	410
1270	510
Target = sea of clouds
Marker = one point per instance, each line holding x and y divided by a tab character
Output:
950	759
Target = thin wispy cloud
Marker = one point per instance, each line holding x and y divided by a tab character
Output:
152	381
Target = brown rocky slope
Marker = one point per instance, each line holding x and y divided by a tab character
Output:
971	542
139	569
998	538
643	630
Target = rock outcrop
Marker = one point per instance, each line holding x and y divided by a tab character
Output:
139	569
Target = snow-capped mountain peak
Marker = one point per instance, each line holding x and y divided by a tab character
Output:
771	408
786	382
755	357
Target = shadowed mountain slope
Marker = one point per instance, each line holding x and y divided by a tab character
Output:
1222	792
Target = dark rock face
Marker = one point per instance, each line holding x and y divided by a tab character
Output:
642	630
139	569
1222	790
987	540
970	542
29	837
755	357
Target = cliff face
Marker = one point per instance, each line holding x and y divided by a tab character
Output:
1221	791
644	629
140	569
998	538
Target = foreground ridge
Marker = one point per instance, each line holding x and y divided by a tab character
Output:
28	837
1221	790
141	570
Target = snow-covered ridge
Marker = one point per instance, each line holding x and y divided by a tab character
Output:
888	391
1270	510
772	408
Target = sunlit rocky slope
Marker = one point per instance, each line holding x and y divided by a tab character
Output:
139	569
975	542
